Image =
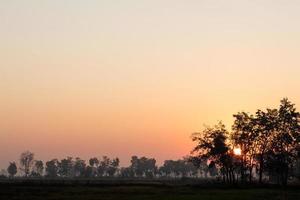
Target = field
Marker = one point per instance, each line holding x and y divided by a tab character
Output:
136	190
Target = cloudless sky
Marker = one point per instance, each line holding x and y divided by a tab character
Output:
120	78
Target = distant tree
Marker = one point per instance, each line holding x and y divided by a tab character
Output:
167	169
38	168
103	166
88	172
107	166
135	166
179	168
126	172
149	166
189	168
143	166
26	162
66	167
94	163
203	167
12	169
79	167
113	167
52	168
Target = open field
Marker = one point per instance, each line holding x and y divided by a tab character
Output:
137	190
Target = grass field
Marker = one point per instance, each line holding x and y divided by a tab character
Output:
139	192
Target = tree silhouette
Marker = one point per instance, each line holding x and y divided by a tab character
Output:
143	166
211	144
113	167
287	139
265	127
12	169
243	136
52	168
126	172
66	167
269	144
38	168
79	167
94	163
26	162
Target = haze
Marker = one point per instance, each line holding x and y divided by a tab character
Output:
121	78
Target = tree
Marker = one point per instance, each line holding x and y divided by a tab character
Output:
287	139
79	167
26	162
12	169
94	163
143	166
126	172
38	168
66	167
200	164
113	167
243	136
52	168
188	168
148	166
103	166
88	172
135	166
179	168
167	169
211	144
265	127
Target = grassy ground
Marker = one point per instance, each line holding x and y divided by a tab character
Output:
136	192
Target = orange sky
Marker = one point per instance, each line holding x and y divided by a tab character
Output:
121	78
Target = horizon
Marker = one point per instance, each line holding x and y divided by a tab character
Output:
94	78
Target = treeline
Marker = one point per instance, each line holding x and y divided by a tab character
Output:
101	167
264	146
260	147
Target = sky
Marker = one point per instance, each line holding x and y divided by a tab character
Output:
121	78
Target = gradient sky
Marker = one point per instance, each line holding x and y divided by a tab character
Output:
118	78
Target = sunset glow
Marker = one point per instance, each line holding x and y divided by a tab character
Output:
119	78
237	151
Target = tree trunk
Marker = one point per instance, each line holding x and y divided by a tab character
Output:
250	174
261	164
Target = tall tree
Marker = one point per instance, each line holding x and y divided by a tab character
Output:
243	136
26	162
287	139
265	127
